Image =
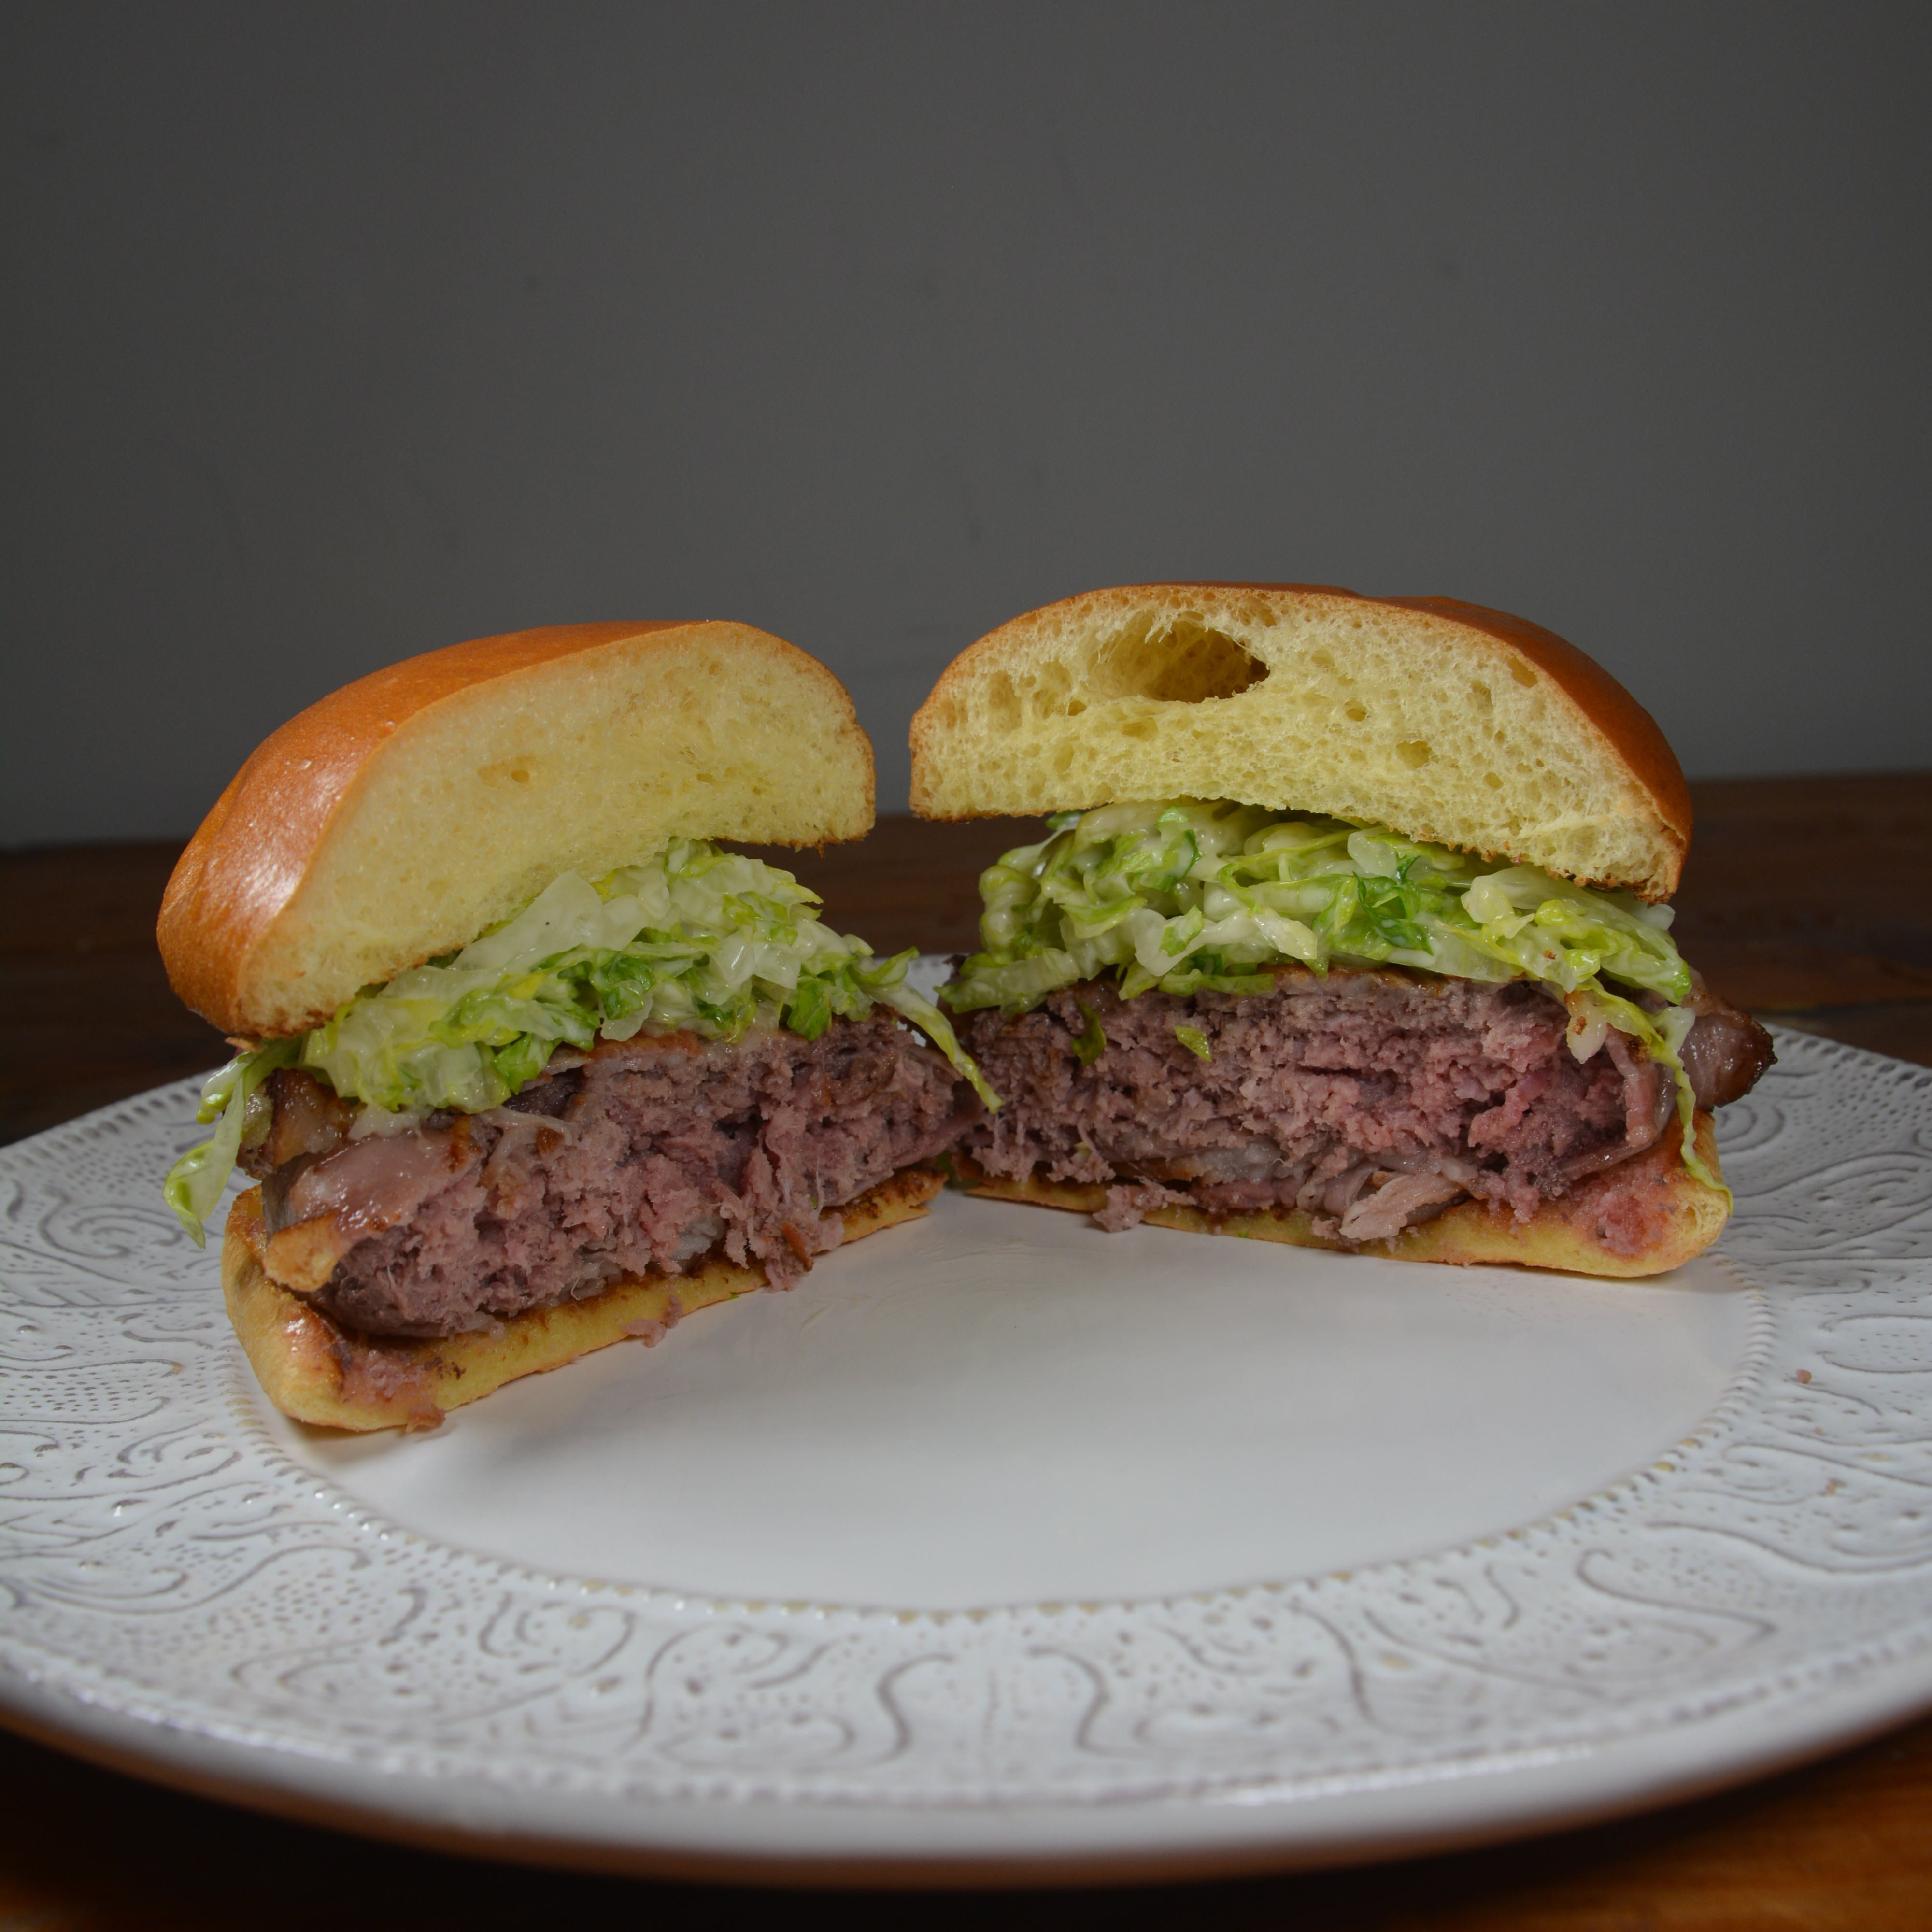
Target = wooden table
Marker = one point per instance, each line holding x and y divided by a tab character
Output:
1808	899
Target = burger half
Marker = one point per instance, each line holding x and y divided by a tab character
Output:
528	1063
1351	930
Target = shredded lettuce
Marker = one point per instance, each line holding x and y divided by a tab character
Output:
1189	896
229	1097
693	938
1196	1042
1093	1040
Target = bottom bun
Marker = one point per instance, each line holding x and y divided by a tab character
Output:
315	1370
1674	1214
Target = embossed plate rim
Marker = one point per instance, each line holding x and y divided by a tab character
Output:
861	1750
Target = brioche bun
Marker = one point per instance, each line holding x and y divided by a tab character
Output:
1444	721
405	814
315	1371
1681	1218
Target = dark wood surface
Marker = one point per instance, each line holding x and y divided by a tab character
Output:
1809	900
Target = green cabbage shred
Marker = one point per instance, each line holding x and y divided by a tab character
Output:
693	938
1189	896
1093	1040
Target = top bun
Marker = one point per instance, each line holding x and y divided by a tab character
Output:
1441	720
409	811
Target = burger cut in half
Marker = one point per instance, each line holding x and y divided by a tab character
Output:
529	1064
1351	930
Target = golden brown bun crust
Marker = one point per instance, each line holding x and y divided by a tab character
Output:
1683	1215
401	815
1447	721
315	1370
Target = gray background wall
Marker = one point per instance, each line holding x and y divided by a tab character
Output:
335	333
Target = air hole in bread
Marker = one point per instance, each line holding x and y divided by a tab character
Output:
1494	783
1181	662
1003	701
1355	709
1522	673
1414	753
1052	691
517	771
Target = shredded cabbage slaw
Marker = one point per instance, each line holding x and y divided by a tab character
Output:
1188	895
694	938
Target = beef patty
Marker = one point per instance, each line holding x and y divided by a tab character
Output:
1373	1100
645	1155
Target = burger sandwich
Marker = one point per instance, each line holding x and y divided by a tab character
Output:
527	1062
1352	931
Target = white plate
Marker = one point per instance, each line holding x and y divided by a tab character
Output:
1003	1546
